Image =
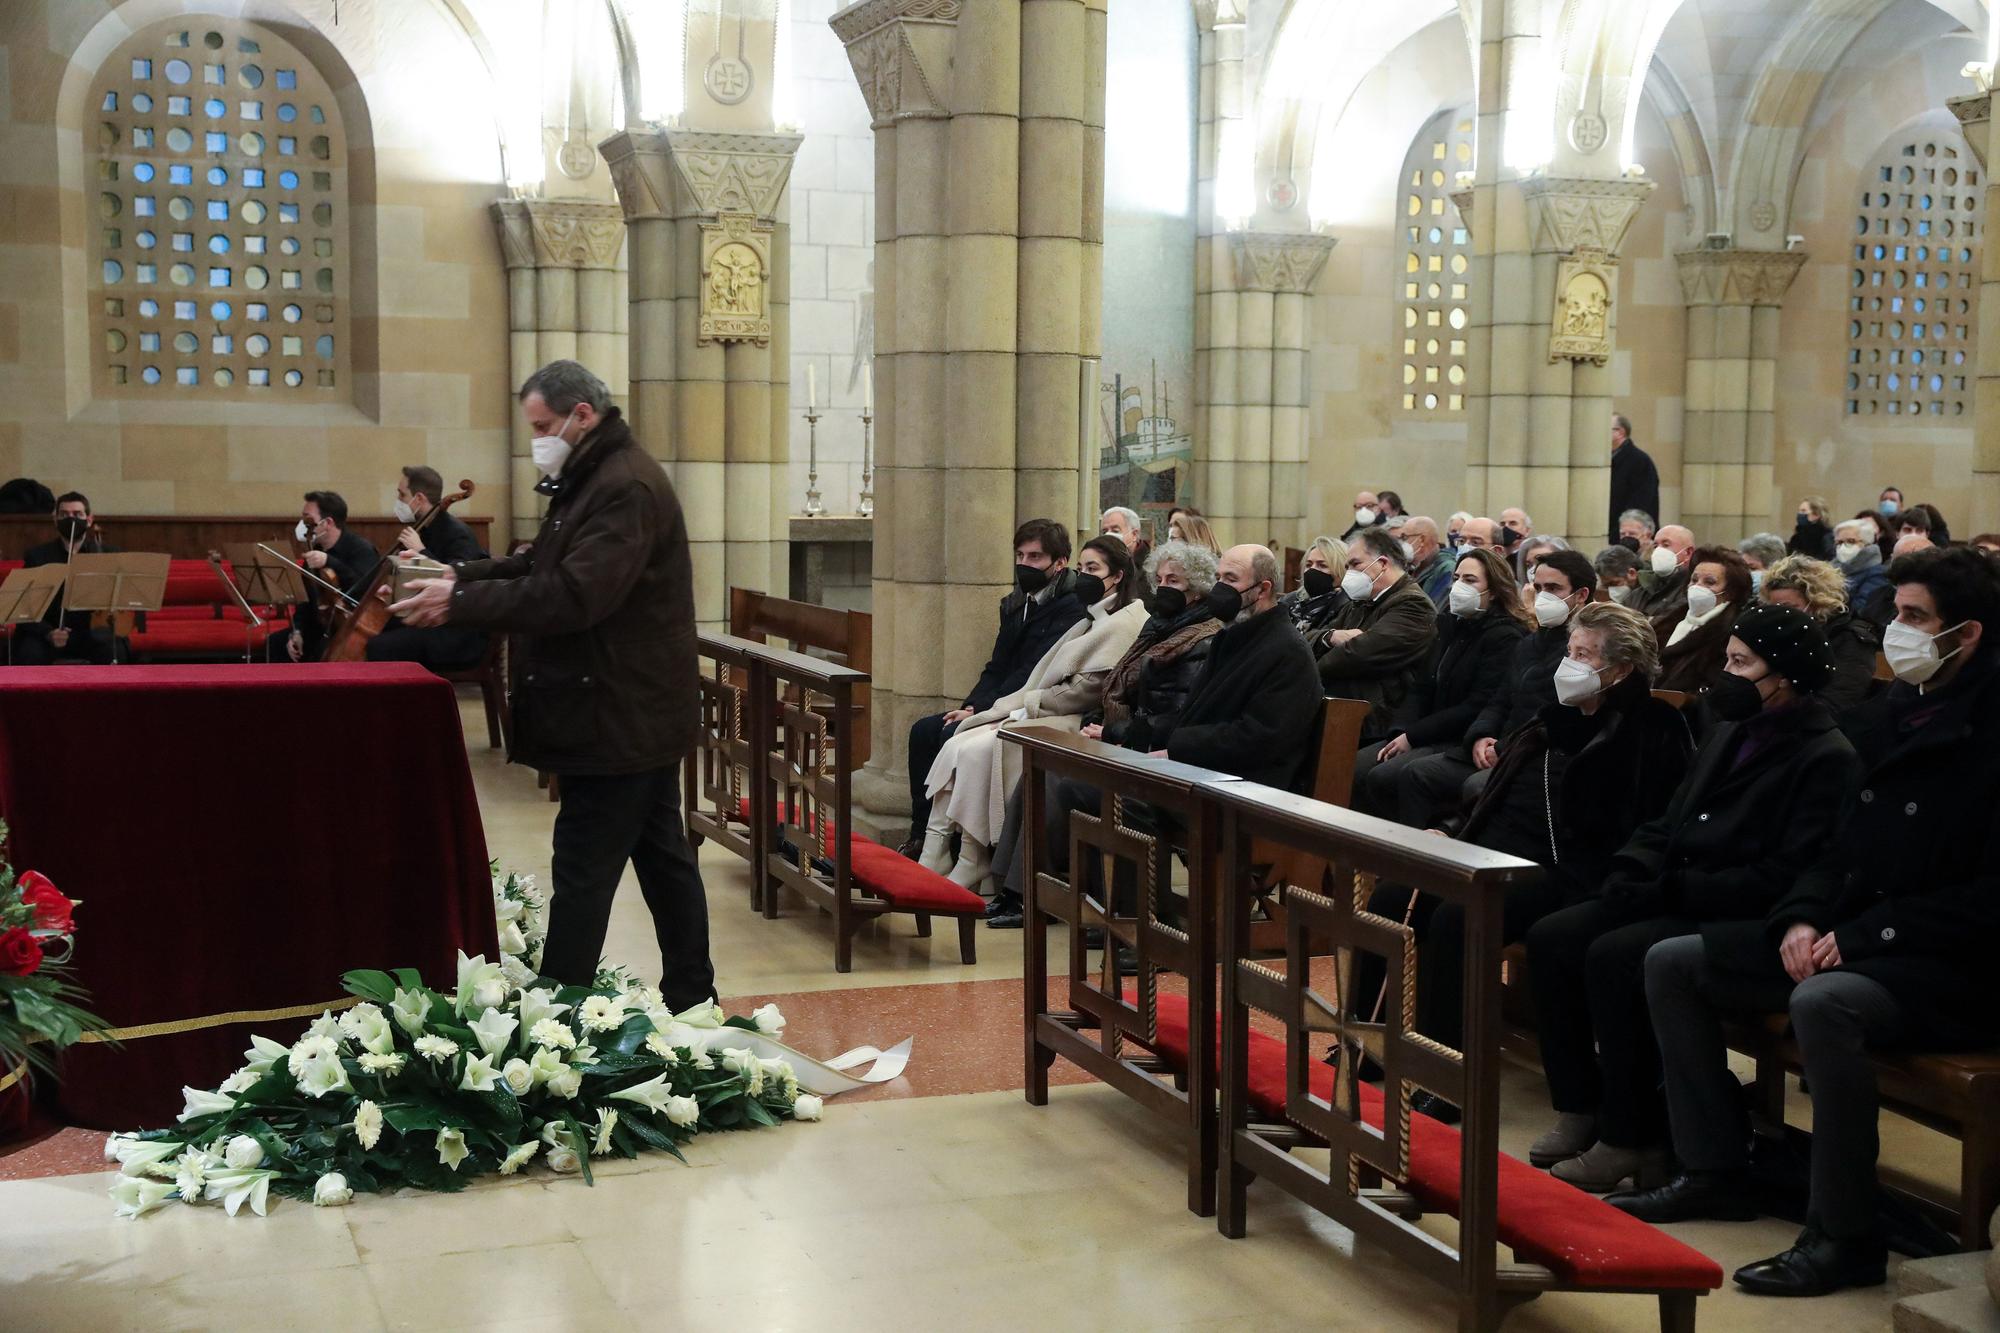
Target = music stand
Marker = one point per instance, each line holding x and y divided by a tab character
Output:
116	584
252	622
25	597
265	579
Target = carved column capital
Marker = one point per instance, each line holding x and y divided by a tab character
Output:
517	233
1278	261
901	52
734	171
559	233
640	173
1568	213
1211	14
1975	114
1737	277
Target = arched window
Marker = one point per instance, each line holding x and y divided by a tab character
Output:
1913	307
218	261
1432	307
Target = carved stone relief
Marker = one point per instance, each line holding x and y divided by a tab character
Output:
736	280
1584	285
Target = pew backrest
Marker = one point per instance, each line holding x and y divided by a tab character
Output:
843	638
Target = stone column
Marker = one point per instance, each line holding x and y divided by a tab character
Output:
989	152
710	332
1733	299
566	293
1217	416
1975	117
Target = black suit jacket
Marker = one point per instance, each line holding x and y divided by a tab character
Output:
1028	629
1255	708
448	541
352	559
1635	484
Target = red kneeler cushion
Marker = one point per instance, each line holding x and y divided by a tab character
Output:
887	875
1579	1237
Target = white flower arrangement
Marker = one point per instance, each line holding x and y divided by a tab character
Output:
415	1087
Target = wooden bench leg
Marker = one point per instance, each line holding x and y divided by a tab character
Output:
1770	1091
1677	1311
923	925
1978	1180
968	950
1232	1205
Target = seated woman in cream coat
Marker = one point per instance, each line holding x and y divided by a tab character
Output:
974	772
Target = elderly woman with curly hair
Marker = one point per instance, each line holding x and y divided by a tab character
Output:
1820	590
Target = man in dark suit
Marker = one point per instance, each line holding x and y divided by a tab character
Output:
332	552
606	677
1635	481
58	638
442	538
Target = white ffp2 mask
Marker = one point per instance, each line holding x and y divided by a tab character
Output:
550	452
1577	681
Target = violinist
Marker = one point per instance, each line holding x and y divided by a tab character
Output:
58	637
441	537
333	553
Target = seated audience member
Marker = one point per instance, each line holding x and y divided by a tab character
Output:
971	778
1986	543
1913	539
1379	640
1886	528
1535	548
1394	516
1816	588
332	552
1760	550
1318	598
1761	798
1033	616
1618	573
1572	786
435	533
1367	514
1812	529
1429	789
1189	526
1891	501
1884	940
1916	521
1124	524
1468	663
63	637
1430	565
1479	534
1515	529
1692	644
1635	532
1940	531
1663	583
1453	527
1147	688
1870	595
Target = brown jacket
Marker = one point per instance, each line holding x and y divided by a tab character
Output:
605	677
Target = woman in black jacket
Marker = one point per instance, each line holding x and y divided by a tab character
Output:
1568	790
1318	598
1764	793
1469	662
1819	590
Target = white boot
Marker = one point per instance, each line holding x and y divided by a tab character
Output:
936	856
975	862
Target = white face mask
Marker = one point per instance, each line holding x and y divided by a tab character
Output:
1700	600
1550	610
405	514
1665	562
1846	551
1913	655
302	532
1621	594
1364	516
1465	600
552	451
1357	585
1576	681
1409	552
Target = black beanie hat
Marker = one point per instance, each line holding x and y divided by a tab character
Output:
1791	642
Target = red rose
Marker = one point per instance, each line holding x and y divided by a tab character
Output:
52	908
20	952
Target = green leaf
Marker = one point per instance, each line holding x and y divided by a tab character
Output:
409	979
757	1114
370	984
498	1111
739	1021
630	1036
36	1012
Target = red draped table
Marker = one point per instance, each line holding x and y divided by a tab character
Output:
239	836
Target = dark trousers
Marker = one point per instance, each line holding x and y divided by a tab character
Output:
604	822
1586	966
91	647
1428	787
1836	1017
927	737
441	648
1378	784
1440	930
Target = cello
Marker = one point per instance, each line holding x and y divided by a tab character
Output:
368	614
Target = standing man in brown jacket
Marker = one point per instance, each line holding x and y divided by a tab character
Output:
605	678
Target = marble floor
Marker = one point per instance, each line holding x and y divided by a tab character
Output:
939	1200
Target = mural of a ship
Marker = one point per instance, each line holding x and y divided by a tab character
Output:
1147	463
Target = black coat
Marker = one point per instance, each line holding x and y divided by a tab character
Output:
1635	484
1725	845
351	560
1255	709
1379	667
1695	663
1909	883
1528	686
1854	643
1312	614
448	541
1468	666
1171	657
1662	599
1029	627
605	674
1814	539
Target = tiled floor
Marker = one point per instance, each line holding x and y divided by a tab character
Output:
939	1200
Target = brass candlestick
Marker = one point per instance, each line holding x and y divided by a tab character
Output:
813	506
866	506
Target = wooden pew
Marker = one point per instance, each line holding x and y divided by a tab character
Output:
725	773
845	638
1333	784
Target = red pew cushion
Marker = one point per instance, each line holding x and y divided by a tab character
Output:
1579	1237
881	871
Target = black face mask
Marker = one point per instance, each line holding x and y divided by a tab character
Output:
1509	537
1317	582
1089	589
1029	579
1225	601
1167	603
71	528
1630	543
1736	698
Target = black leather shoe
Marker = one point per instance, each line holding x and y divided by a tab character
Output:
912	848
1425	1102
1128	961
1815	1265
1001	904
1005	913
1367	1071
1716	1196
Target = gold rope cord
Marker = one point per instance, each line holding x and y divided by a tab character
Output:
174	1026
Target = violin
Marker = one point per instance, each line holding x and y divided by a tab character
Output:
368	614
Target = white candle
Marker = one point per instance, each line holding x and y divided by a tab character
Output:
812	386
868	390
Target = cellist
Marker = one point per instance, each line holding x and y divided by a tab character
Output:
440	537
332	552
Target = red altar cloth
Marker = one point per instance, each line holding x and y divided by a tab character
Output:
239	836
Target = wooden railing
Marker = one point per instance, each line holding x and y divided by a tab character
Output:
845	638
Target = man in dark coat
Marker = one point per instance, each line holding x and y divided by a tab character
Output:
1039	611
1635	481
1882	941
59	637
332	552
1382	638
606	689
438	537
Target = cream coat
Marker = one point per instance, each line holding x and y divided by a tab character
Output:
1067	683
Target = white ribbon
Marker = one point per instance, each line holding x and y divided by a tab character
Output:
828	1078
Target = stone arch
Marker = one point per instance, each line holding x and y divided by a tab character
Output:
1667	99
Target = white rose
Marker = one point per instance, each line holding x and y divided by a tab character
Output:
683	1111
367	1124
519	1077
807	1107
451	1147
563	1161
768	1020
243	1153
492	992
331	1191
566	1084
512	942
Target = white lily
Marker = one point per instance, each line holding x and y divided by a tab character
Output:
324	1076
204	1103
479	1074
546	1064
326	1025
451	1147
238	1187
653	1094
263	1054
537	1005
138	1157
366	1024
512	942
494	1029
477	980
136	1195
707	1014
410	1009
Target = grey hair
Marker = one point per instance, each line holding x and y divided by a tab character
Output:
1615	562
1196	563
1381	544
1639	516
1534	544
564	384
1460	517
1766	546
1129	515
